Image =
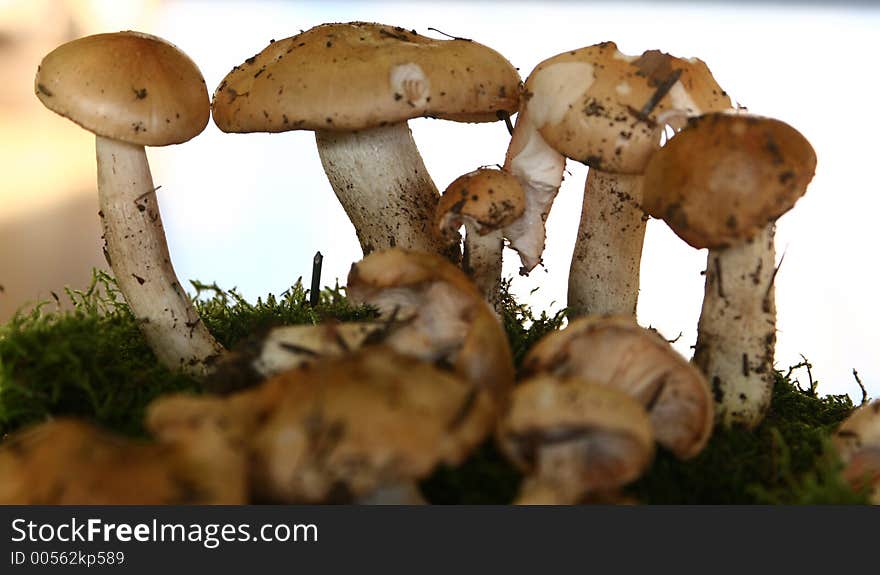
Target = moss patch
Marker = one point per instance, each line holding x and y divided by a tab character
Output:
93	362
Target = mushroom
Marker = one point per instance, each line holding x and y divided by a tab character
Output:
616	352
70	462
573	437
607	110
134	90
288	347
362	427
356	85
721	183
484	201
440	314
857	441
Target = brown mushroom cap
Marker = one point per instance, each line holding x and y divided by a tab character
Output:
70	462
444	315
488	198
372	418
358	75
601	436
127	86
725	176
616	352
857	441
605	109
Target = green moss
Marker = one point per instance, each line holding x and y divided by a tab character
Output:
92	361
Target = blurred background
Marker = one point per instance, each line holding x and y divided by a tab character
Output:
249	211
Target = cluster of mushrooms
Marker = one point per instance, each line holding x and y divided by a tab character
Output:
361	412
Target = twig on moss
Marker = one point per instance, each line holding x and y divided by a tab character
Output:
862	387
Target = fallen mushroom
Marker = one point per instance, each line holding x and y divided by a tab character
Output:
616	352
574	438
71	462
441	316
157	98
607	110
358	428
484	202
288	347
857	441
721	183
356	85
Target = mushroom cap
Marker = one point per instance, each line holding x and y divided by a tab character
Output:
345	77
725	176
857	441
607	110
616	352
127	86
489	199
71	462
443	316
600	438
369	419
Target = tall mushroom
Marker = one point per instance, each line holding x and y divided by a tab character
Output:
356	85
721	183
484	201
134	90
607	110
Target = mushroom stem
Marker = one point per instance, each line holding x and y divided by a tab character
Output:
482	261
138	255
604	274
383	185
737	329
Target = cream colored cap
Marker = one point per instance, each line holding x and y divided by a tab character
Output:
127	86
617	352
360	75
598	106
488	198
609	431
725	176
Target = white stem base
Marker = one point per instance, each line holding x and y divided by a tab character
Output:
138	255
737	330
604	274
482	261
384	187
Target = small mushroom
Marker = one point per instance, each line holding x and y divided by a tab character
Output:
70	462
721	183
574	438
607	110
616	352
361	428
356	85
157	98
857	441
442	316
484	202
